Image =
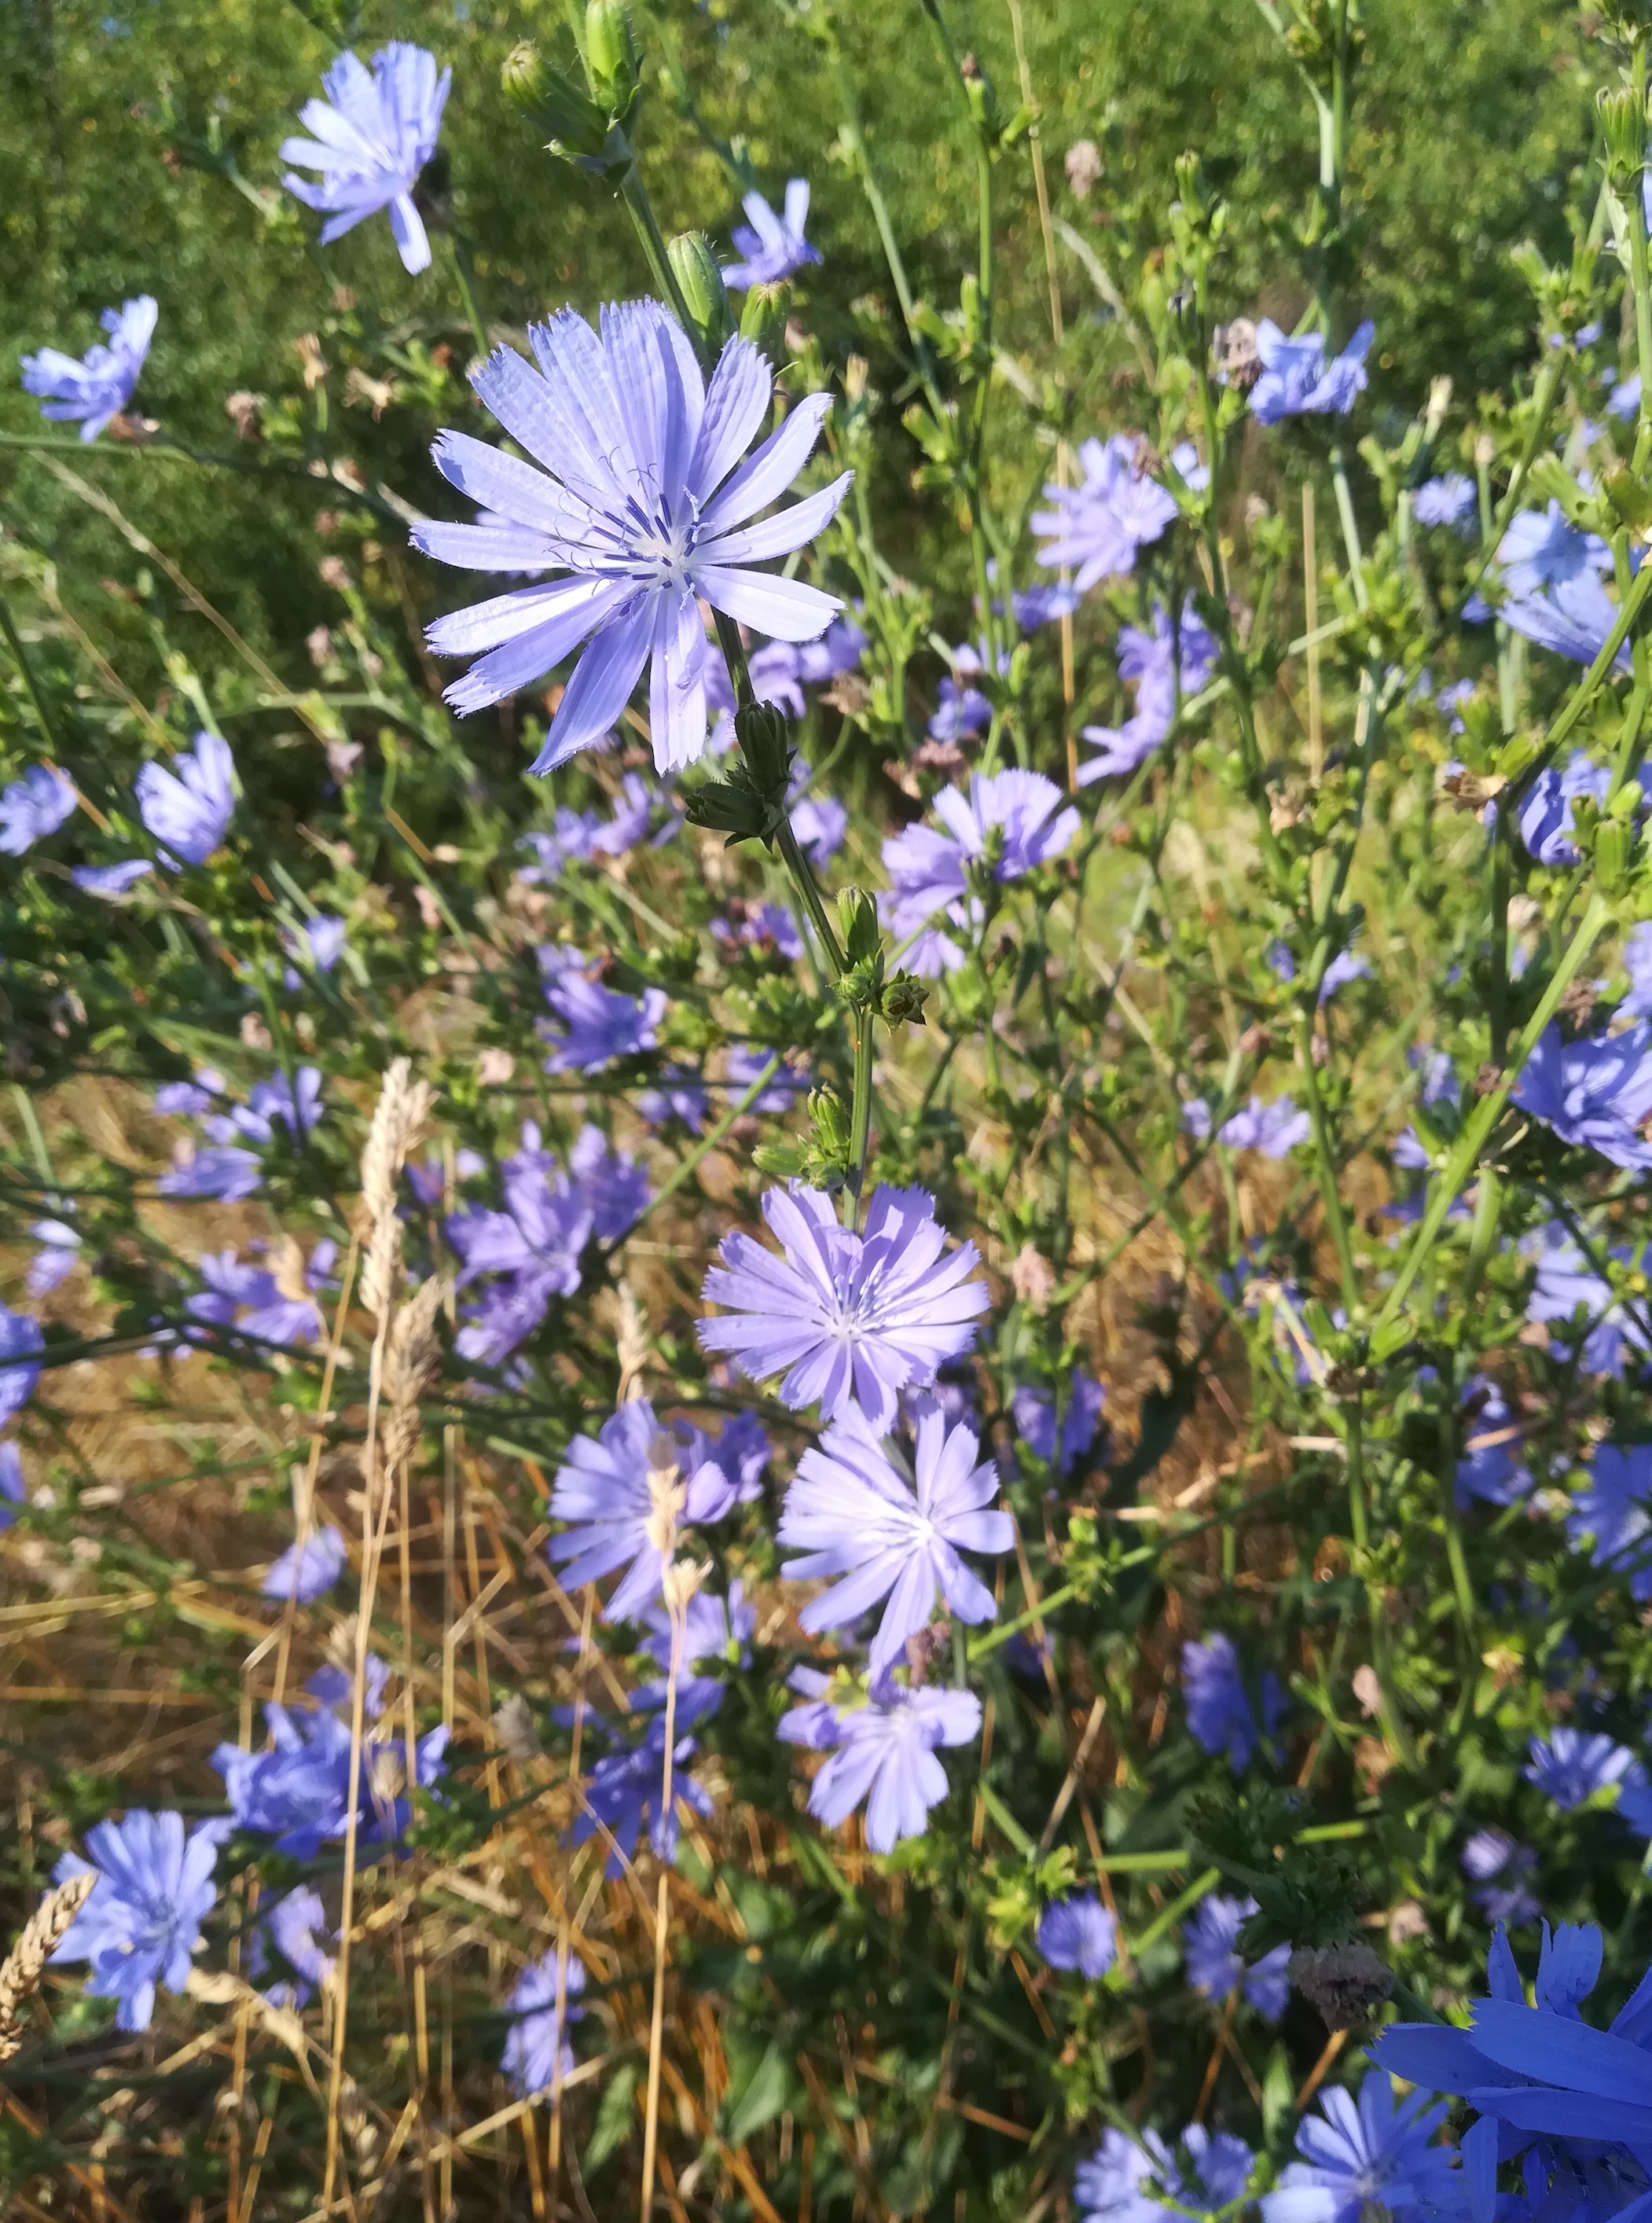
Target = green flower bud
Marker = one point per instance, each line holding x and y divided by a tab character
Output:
522	77
1623	123
904	997
610	52
765	743
858	916
727	807
700	276
762	319
829	1116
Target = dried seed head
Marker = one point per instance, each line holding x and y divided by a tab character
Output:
21	1969
680	1582
668	1493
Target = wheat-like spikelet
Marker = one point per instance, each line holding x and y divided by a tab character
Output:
413	1357
399	1120
22	1967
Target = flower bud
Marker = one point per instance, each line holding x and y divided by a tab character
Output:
762	317
1623	123
858	916
765	744
830	1118
522	77
904	997
610	52
700	276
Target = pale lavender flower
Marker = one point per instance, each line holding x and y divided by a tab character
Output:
845	1318
1571	1764
1274	1129
370	138
1364	2154
1346	966
143	1919
1034	1411
819	823
306	1575
1096	529
1540	550
297	1924
20	1339
13	1491
1452	498
679	1094
1219	1711
1010	822
574	838
615	1184
1637	963
1078	1933
855	1515
1499	1869
714	1631
1163	664
298	1791
1613	1512
226	1175
1490	1467
640	502
33	807
628	822
771	246
1126	2180
742	1452
98	388
536	1244
882	1751
110	881
1567	1285
600	1023
189	809
625	1491
1037	606
230	1283
54	1261
1546	811
624	1791
319	944
962	709
537	2050
1595	1093
1574	618
1211	1943
743	1063
1297	381
757	926
294	1104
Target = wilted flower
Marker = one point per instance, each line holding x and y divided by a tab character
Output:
371	136
1082	164
143	1919
35	806
98	387
846	1318
640	502
771	246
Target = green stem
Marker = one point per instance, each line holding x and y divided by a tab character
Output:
1336	1218
685	1171
13	642
860	1125
466	278
1485	1114
635	194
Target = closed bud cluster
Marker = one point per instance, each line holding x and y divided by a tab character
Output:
1622	124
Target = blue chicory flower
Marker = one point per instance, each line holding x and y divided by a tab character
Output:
1570	1765
679	1094
1297	381
97	388
1219	1711
615	1184
846	1318
1568	1286
1613	1513
143	1919
226	1175
1498	1870
1166	665
1078	1932
110	881
1136	2180
1274	1129
819	823
371	136
1453	499
1488	1468
746	1063
640	502
1096	529
35	806
1546	809
1211	1943
1034	1413
21	1336
189	809
882	1751
1364	2154
319	944
771	246
857	1517
1017	820
297	1924
599	1023
625	1491
54	1261
1540	551
537	1242
759	926
714	1630
542	1999
1595	1093
13	1491
1573	620
307	1574
624	1791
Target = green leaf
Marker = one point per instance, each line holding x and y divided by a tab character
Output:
763	2098
613	2122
